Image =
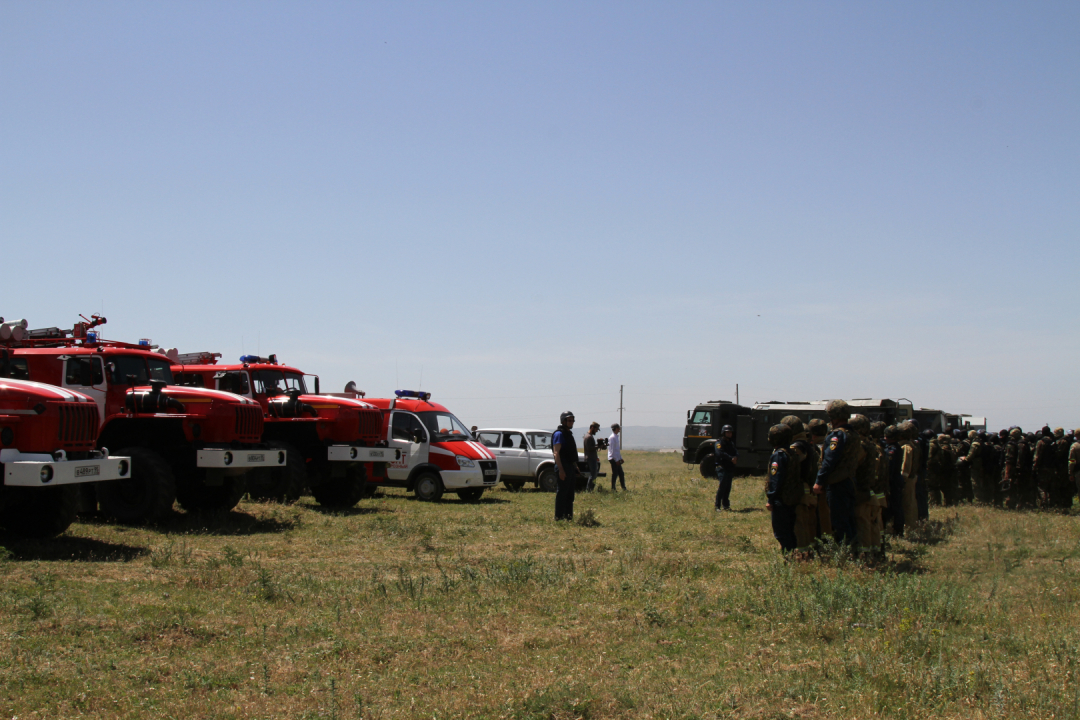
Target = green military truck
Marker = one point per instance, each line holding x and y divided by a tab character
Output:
751	425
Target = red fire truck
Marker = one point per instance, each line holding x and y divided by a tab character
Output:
192	445
330	439
438	453
47	450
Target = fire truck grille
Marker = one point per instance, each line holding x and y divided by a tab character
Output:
370	425
247	420
78	423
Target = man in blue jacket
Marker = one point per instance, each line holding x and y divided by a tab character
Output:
565	447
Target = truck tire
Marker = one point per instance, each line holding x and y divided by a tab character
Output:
428	487
147	494
708	466
514	485
548	480
471	495
194	496
286	484
341	492
39	512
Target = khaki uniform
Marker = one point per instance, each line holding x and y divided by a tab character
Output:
867	509
909	470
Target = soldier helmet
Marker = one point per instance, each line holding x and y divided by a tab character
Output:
794	422
1046	431
838	410
1015	434
566	416
726	428
908	429
817	427
1059	433
891	433
914	423
958	433
877	429
860	424
927	434
1003	433
973	434
780	436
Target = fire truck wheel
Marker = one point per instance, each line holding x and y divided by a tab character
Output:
428	487
286	484
341	492
549	480
145	495
708	466
471	495
39	512
514	485
194	496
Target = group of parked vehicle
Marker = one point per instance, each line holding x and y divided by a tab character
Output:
192	430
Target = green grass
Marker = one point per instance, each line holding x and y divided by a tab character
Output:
652	606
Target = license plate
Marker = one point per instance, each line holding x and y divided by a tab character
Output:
490	472
87	471
376	454
256	458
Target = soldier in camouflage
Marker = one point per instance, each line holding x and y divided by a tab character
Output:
1063	485
869	536
806	517
977	463
818	430
1045	470
836	475
894	456
909	469
1074	462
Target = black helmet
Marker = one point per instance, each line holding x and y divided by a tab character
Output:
566	416
726	428
915	423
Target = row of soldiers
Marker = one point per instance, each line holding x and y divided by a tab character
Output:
855	479
1008	469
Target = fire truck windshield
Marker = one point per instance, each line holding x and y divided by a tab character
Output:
137	370
444	426
276	382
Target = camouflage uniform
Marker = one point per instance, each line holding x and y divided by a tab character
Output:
818	430
867	520
961	469
836	475
978	462
1074	463
1017	486
909	469
1063	484
895	481
940	471
806	512
1045	470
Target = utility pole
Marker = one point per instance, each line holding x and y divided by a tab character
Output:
621	429
736	393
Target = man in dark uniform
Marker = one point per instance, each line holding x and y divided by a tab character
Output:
922	491
726	457
818	430
784	487
1045	470
1062	482
565	447
836	476
806	517
894	455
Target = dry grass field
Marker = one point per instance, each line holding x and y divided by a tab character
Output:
660	608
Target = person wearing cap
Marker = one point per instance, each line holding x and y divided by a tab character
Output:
565	449
726	457
592	459
614	456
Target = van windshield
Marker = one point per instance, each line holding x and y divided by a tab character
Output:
276	382
444	426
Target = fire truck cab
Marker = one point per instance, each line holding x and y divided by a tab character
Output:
47	451
331	439
438	453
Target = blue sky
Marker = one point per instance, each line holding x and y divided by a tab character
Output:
528	205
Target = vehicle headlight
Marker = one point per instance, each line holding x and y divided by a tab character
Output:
464	462
228	458
123	468
46	473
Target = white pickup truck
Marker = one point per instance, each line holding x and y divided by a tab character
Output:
525	456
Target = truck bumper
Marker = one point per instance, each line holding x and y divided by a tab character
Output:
354	453
486	474
40	470
229	459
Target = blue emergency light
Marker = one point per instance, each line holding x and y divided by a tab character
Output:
144	342
91	336
425	396
250	359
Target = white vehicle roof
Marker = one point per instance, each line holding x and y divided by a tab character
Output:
820	404
520	430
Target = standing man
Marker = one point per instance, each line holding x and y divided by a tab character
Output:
784	487
894	455
565	447
726	457
1074	461
836	476
909	468
592	460
614	456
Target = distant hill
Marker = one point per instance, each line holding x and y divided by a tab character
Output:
652	437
